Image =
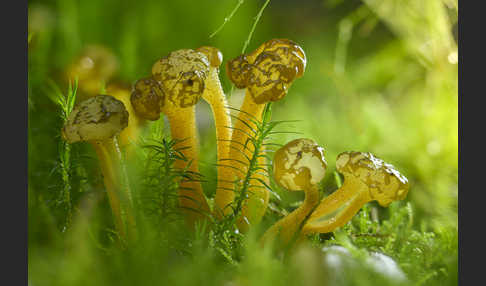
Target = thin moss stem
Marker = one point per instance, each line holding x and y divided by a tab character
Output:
65	157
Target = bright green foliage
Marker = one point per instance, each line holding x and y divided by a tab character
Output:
66	103
429	258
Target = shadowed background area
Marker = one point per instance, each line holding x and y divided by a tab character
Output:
381	77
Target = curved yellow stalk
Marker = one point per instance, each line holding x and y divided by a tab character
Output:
110	180
286	228
258	196
214	95
338	208
110	164
240	150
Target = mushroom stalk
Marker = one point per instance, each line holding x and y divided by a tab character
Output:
242	127
338	208
214	95
183	127
258	196
110	164
254	207
288	226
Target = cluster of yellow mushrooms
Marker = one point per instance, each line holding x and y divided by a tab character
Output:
177	82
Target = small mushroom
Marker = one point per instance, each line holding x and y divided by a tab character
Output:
298	166
214	95
366	178
267	73
147	98
176	85
98	120
95	66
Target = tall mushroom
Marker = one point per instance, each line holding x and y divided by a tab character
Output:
266	73
214	95
298	166
176	85
98	120
366	178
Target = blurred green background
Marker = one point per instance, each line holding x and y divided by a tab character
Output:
381	76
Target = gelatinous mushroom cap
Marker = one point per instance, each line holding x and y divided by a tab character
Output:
385	183
268	71
214	55
147	98
299	164
291	54
95	65
182	74
95	119
238	71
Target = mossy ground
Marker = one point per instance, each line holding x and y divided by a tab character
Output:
381	77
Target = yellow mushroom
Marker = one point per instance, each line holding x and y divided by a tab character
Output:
94	67
298	166
366	178
176	85
98	120
214	95
267	73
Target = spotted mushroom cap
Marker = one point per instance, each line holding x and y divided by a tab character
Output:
95	119
94	66
238	71
385	183
147	98
213	54
182	74
268	71
291	54
299	164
